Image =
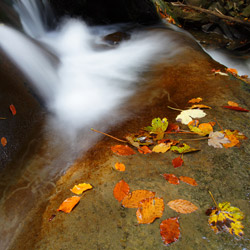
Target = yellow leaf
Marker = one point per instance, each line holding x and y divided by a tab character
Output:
120	166
80	188
69	204
202	129
233	104
162	148
200	106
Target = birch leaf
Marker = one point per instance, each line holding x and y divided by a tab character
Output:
182	206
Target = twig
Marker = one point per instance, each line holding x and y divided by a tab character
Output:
218	124
175	109
108	135
196	139
220	15
213	199
2	118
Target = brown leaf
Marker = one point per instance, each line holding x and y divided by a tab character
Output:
120	166
182	206
188	180
177	162
69	204
132	200
171	178
3	141
122	150
13	109
173	128
170	230
144	150
121	190
149	209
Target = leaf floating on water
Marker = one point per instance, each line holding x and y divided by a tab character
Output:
158	127
69	204
171	178
186	116
195	100
80	188
123	150
225	217
13	109
233	104
144	150
177	162
183	149
3	141
182	206
188	180
121	190
132	200
149	209
216	139
236	108
170	230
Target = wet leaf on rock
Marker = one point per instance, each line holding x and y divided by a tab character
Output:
170	230
69	204
3	141
233	104
13	109
236	108
233	141
80	188
186	116
216	139
144	150
188	180
120	166
177	162
173	128
202	129
195	100
161	148
200	106
122	150
149	209
159	126
182	206
121	190
183	149
171	178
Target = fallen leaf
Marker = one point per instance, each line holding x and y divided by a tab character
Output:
80	188
132	142
182	149
188	180
177	162
199	106
202	129
170	230
149	209
225	217
122	150
158	127
216	139
121	190
171	178
233	104
186	116
232	71
13	109
144	150
69	204
182	206
221	73
236	133
120	166
195	100
3	141
173	128
161	148
233	140
132	200
236	108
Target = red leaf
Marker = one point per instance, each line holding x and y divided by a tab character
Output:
13	109
121	190
122	150
171	178
236	108
170	230
177	162
173	128
144	150
3	141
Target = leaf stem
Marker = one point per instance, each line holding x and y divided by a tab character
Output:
175	109
196	139
213	199
108	135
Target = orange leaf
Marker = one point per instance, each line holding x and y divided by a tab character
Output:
232	71
233	141
200	106
13	109
170	230
182	206
188	180
173	128
120	166
132	200
177	162
171	178
149	209
122	150
80	188
69	204
195	100
121	190
144	150
233	104
3	141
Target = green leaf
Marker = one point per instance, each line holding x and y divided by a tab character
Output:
184	148
158	127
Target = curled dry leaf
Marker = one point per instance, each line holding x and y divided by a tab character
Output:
132	200
195	100
188	180
13	109
69	204
177	162
149	209
144	150
171	178
120	166
182	206
122	150
3	141
121	190
170	230
80	188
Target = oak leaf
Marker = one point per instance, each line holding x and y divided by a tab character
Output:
149	209
132	200
122	150
171	178
80	188
158	127
144	150
216	139
69	204
195	100
182	206
12	109
121	190
177	162
188	180
186	116
170	230
3	141
120	166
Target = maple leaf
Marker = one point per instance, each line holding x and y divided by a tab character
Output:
12	109
80	188
195	100
224	217
202	129
69	204
121	190
171	178
170	230
161	148
233	141
149	209
3	141
182	206
188	180
236	133
186	116
122	150
182	149
158	127
120	166
177	162
216	139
